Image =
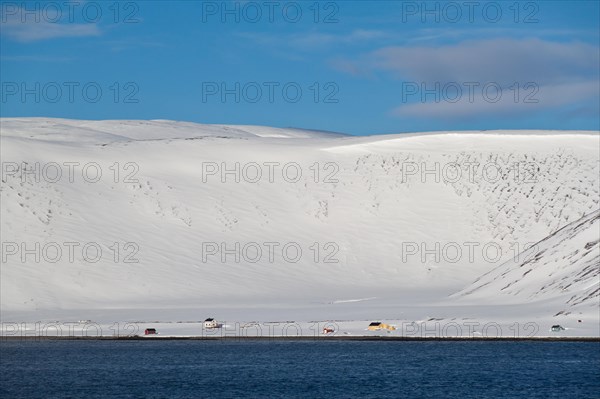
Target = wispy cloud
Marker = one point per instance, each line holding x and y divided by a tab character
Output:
565	73
496	60
571	96
126	44
35	58
35	27
313	40
438	35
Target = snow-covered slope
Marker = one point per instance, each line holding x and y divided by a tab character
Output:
80	131
563	266
399	219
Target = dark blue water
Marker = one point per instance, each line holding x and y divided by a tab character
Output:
316	369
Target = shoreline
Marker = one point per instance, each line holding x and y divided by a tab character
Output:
297	338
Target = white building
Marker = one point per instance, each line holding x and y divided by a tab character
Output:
210	323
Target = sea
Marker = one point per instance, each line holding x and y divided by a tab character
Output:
298	369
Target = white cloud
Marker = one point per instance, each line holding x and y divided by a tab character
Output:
497	60
35	58
566	73
32	27
313	40
529	101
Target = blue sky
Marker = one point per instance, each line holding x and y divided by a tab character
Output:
359	67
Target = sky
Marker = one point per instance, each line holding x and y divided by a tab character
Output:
357	67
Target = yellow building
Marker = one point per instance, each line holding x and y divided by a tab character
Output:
377	325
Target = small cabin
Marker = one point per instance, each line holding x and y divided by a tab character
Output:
150	331
210	323
377	325
557	328
328	330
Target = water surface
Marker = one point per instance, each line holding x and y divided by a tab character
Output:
191	369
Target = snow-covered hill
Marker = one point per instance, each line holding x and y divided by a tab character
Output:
564	266
278	223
